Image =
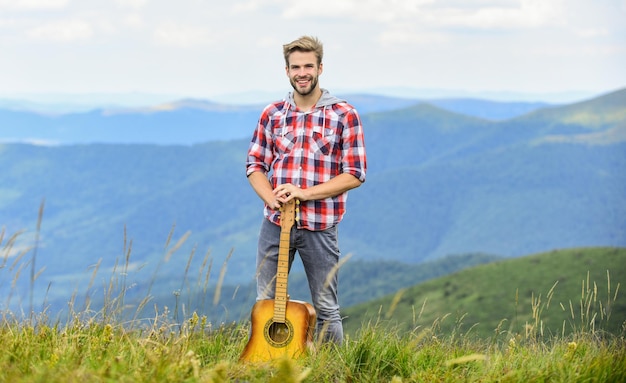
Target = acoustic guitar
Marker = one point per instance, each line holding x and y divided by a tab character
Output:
280	326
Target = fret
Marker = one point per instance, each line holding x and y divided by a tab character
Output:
287	218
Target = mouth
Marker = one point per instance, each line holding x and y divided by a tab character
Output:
303	82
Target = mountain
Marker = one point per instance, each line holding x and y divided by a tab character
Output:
454	183
184	122
566	289
439	183
193	121
489	110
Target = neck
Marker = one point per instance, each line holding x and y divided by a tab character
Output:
309	101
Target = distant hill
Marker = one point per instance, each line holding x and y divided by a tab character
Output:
168	124
439	183
489	110
193	121
361	281
568	289
450	183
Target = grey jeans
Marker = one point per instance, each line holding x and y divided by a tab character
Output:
319	252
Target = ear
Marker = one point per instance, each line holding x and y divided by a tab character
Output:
320	69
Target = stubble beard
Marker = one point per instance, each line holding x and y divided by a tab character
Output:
306	91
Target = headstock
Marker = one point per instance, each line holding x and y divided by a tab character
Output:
288	214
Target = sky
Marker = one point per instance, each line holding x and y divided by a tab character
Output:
215	49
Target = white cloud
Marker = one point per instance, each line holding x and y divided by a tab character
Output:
62	31
405	34
248	6
410	22
182	35
133	21
480	14
426	38
528	14
8	23
363	10
592	32
33	4
136	4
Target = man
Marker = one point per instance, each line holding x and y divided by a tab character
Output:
312	147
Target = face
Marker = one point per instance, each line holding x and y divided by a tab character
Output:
303	72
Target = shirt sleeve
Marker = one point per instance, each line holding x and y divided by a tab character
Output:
260	154
353	159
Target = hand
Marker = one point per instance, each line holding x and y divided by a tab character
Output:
286	192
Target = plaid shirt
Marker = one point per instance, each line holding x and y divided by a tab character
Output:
306	149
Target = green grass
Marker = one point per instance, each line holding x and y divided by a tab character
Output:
87	350
103	345
555	293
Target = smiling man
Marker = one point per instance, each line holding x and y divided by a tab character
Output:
309	147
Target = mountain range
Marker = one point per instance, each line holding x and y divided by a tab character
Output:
160	193
193	121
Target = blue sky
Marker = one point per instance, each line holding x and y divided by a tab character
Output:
208	49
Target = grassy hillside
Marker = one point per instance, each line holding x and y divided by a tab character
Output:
593	114
567	290
189	291
101	346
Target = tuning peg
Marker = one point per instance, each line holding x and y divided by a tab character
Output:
298	210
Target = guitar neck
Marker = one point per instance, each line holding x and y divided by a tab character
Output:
282	273
282	276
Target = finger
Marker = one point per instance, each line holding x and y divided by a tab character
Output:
283	193
281	190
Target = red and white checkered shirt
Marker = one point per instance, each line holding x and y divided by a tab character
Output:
306	148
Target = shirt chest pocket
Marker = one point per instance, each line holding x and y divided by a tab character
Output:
283	136
285	142
324	140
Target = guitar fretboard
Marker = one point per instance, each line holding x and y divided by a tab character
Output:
282	275
287	219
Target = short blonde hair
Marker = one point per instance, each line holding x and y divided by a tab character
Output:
304	44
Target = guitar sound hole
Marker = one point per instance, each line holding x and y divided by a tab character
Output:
278	334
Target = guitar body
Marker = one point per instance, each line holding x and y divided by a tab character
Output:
270	340
279	326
